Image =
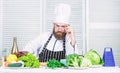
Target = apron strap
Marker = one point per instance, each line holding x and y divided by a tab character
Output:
47	41
50	39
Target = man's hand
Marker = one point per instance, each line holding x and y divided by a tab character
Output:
70	33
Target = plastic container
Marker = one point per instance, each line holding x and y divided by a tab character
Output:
108	57
63	61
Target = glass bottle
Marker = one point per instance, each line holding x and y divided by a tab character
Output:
14	47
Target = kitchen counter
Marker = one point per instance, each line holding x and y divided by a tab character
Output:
60	70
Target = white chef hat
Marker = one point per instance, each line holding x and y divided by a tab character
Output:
62	13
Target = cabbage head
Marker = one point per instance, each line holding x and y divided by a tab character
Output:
85	62
94	57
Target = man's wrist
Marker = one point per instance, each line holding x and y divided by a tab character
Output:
73	43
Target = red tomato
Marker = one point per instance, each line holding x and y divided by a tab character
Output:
6	64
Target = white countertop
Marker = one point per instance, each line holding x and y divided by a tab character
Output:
60	70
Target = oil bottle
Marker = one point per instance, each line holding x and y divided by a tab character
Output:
14	47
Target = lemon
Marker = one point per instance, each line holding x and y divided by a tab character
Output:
11	57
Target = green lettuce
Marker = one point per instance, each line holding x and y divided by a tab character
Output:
30	60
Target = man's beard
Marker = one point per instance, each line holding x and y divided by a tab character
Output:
59	35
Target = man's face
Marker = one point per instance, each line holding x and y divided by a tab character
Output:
59	30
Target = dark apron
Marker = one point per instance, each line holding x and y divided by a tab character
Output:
46	54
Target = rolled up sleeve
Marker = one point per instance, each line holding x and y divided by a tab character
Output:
69	48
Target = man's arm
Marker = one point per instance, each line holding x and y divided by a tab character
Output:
70	33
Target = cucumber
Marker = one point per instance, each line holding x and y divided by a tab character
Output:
15	65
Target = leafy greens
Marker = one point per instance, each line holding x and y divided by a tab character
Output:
30	60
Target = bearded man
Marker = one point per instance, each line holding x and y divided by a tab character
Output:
58	43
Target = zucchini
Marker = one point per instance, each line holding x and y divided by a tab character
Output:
15	65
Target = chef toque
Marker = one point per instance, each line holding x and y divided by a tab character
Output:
62	13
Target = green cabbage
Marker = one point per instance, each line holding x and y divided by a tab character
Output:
94	57
85	62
